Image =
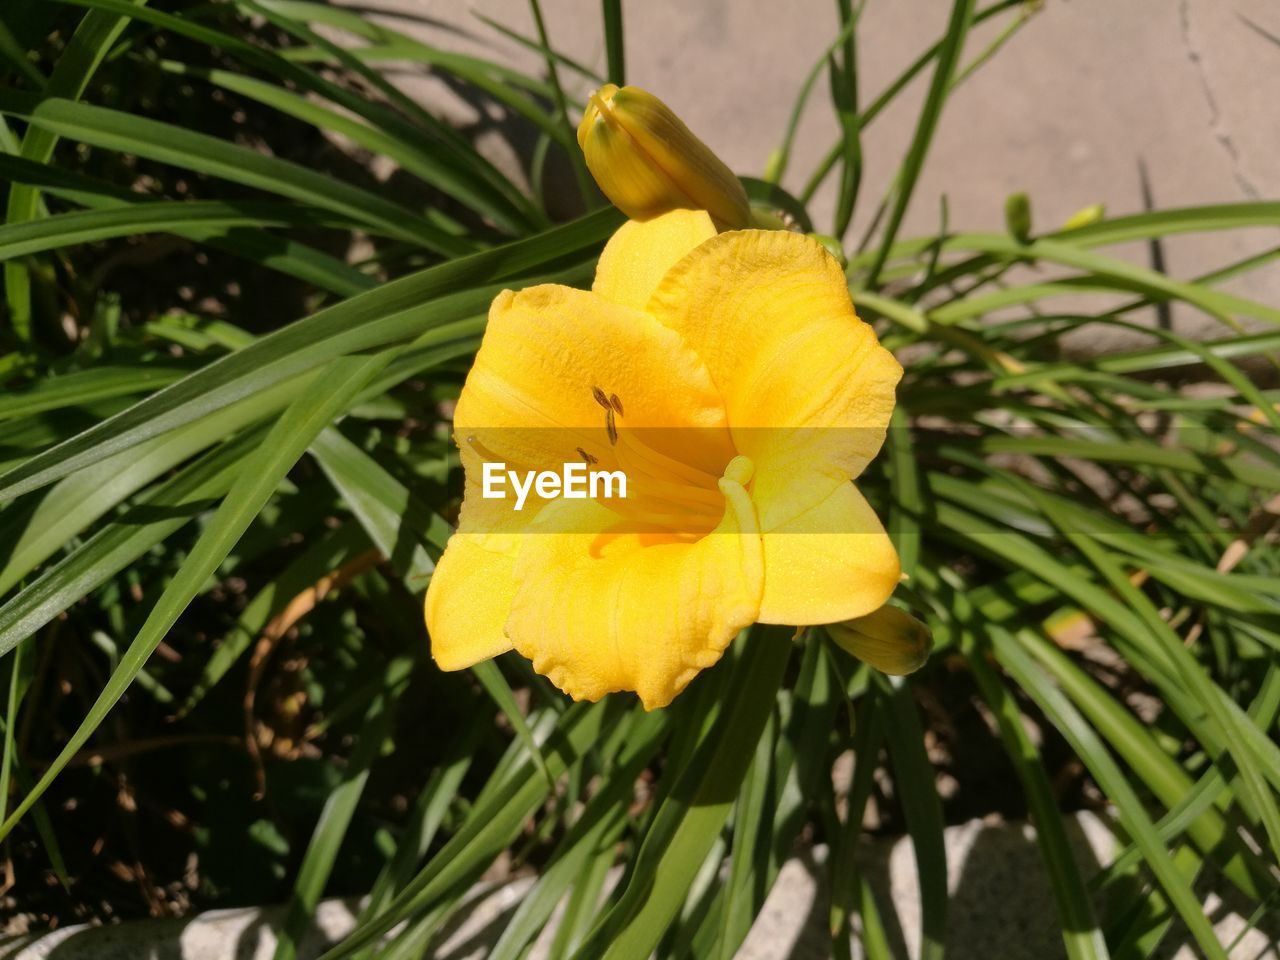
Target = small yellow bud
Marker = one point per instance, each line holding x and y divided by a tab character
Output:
1085	216
648	162
891	640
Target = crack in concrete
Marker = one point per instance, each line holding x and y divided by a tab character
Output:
1219	129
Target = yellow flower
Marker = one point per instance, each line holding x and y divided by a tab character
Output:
648	162
730	379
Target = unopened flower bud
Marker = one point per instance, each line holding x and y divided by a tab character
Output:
1085	217
1017	216
648	162
890	640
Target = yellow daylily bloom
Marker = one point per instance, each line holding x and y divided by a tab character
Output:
648	162
729	378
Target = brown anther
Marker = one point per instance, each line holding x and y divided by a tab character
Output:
610	427
615	403
586	456
600	397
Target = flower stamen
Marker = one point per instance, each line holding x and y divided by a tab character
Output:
610	402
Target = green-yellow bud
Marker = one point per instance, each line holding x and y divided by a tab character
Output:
891	640
1017	216
1085	216
648	162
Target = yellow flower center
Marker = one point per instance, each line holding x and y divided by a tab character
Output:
664	492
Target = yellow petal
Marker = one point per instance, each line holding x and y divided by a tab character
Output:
648	162
530	399
830	562
640	253
802	377
598	613
467	603
891	640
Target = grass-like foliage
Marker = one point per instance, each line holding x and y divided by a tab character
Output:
229	355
